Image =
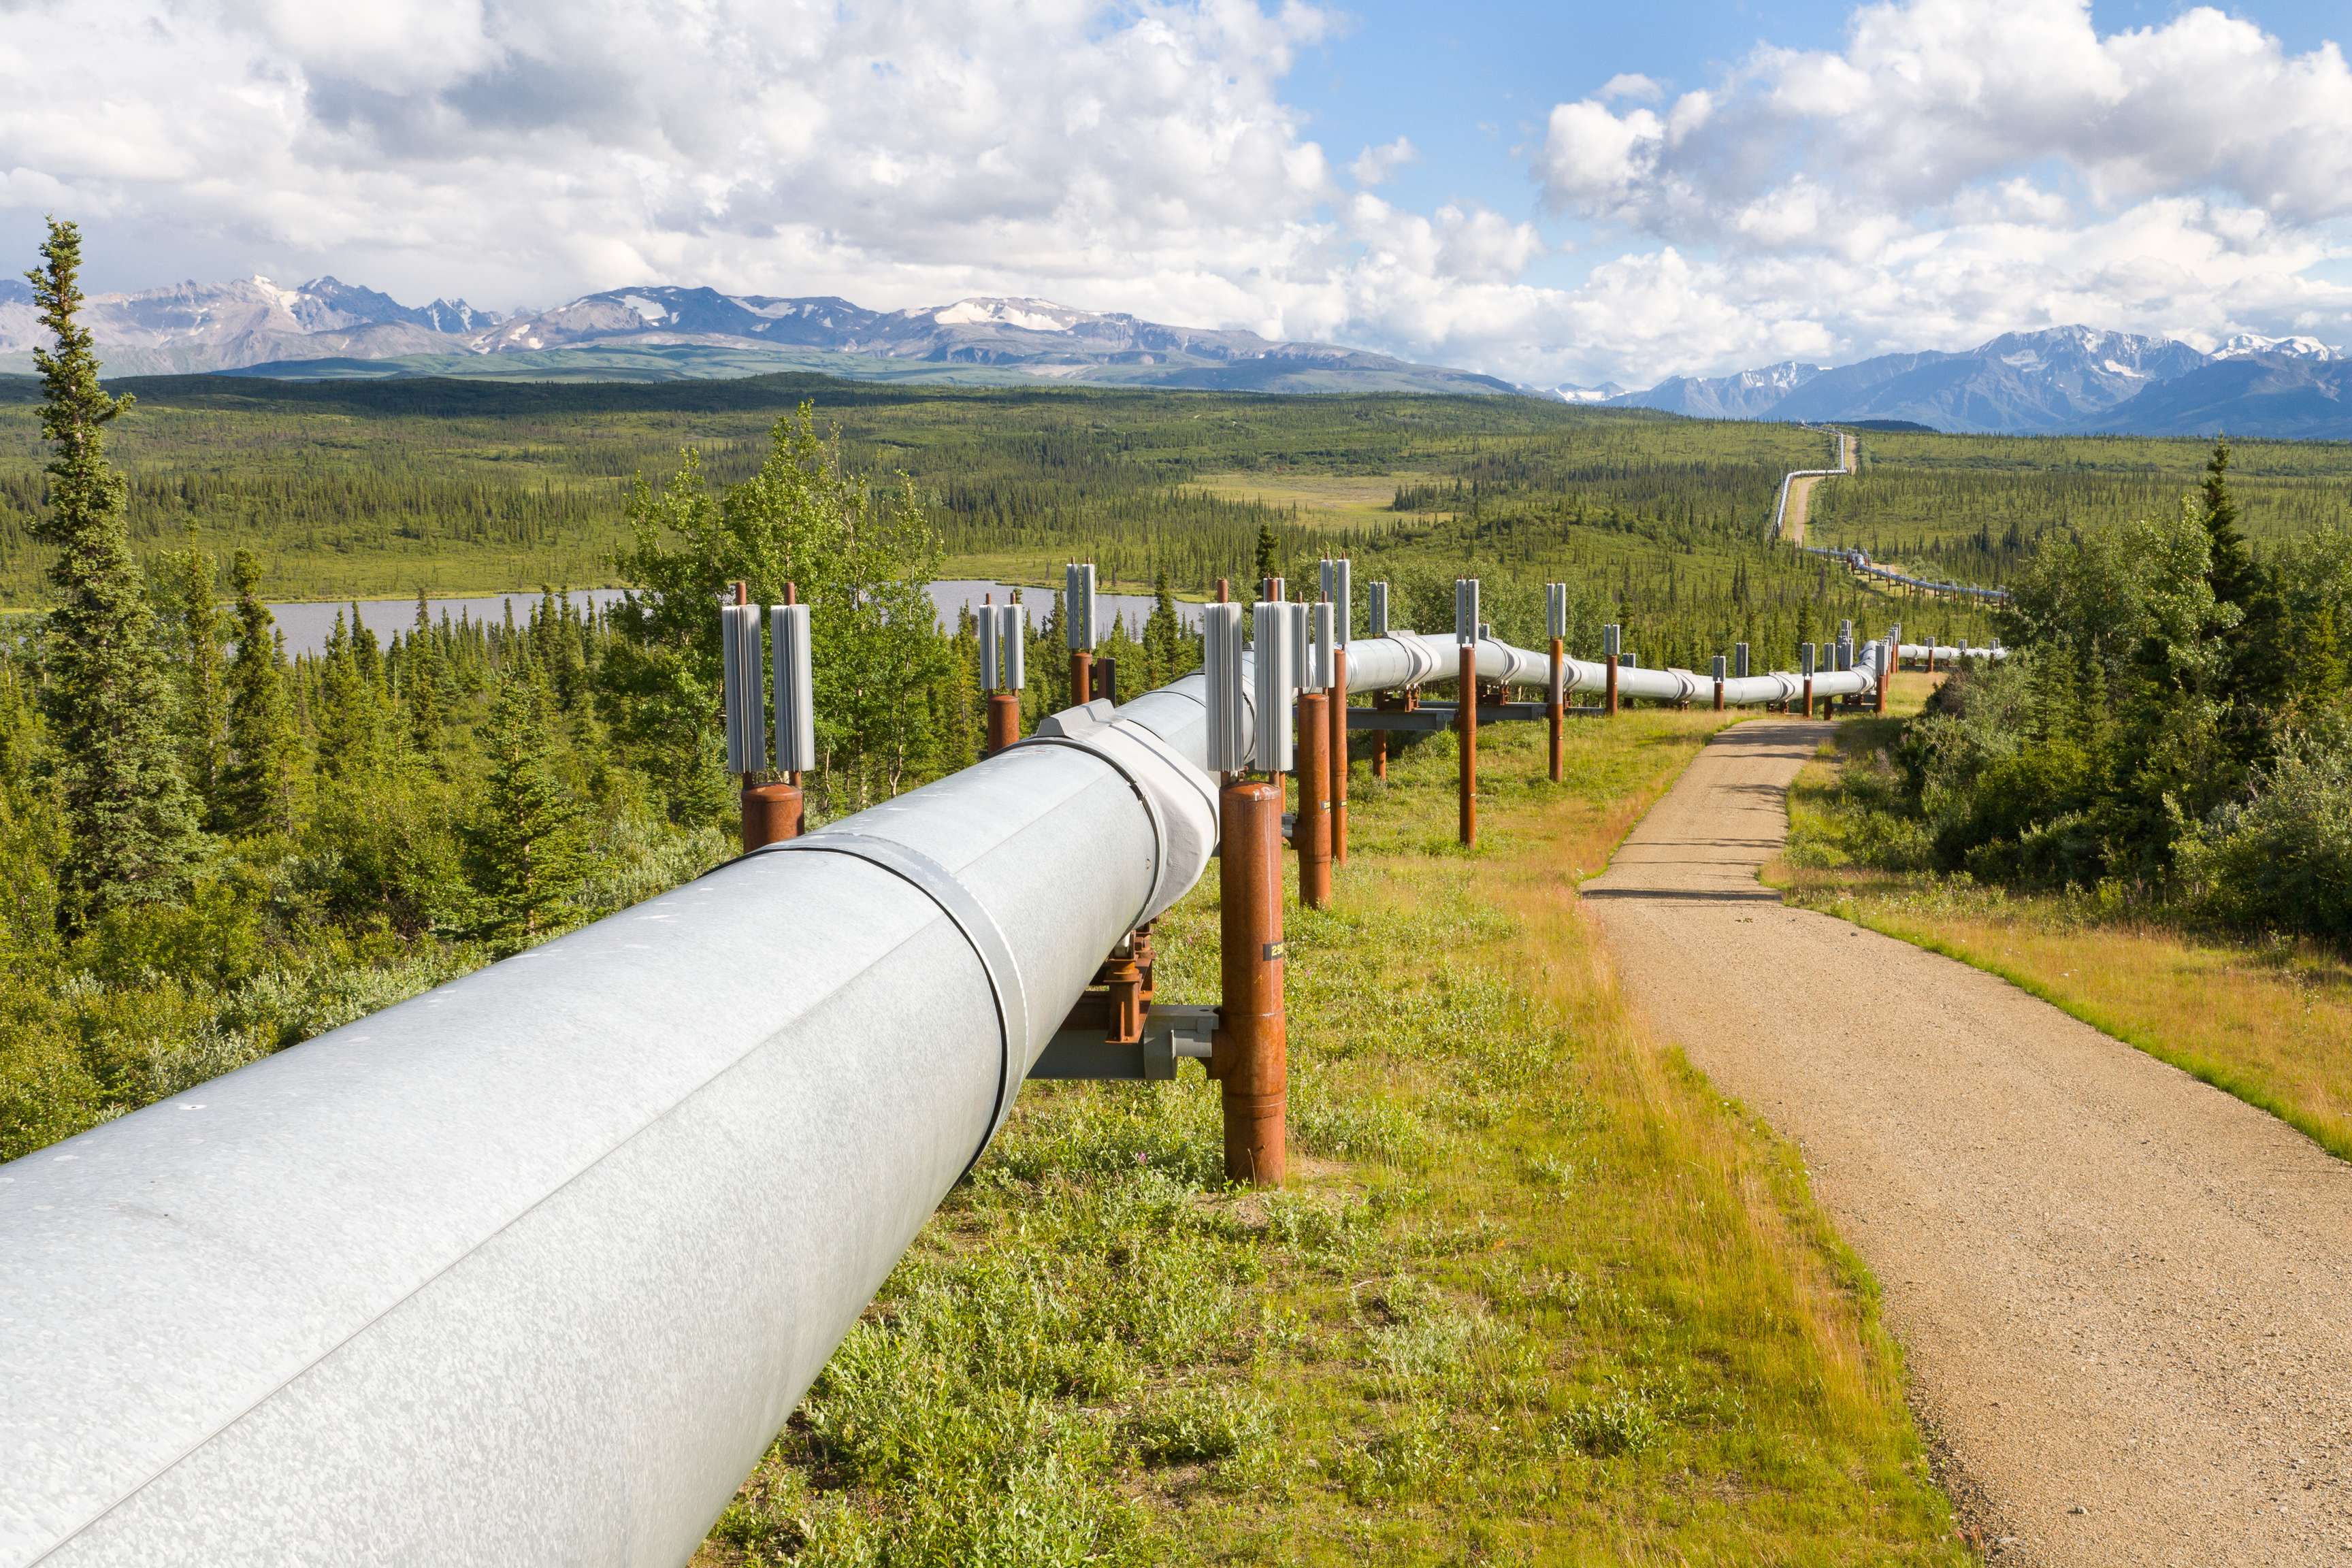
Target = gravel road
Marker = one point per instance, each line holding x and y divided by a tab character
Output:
2124	1295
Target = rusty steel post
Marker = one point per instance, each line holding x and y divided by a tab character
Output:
1808	694
1556	701
1105	677
1465	718
1004	721
1312	835
1609	691
772	813
1340	755
1082	676
1250	1052
1338	759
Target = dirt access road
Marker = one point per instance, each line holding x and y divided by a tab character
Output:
1800	492
2125	1297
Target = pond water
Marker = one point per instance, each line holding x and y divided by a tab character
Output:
307	624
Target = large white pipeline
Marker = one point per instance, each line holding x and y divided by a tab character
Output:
1415	658
530	1269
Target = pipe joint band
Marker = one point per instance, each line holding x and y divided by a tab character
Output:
939	884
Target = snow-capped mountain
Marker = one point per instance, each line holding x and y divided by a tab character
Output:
2061	378
330	327
250	321
2245	345
1746	395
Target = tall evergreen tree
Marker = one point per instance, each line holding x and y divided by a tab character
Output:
420	685
2231	570
526	848
204	711
1269	562
129	826
259	792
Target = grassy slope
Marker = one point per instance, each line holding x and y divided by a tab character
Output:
2270	1023
1535	1294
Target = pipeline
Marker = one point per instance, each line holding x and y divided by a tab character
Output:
1846	467
1413	658
1859	562
530	1269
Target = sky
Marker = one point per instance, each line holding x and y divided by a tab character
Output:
1559	193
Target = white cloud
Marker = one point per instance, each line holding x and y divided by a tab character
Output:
1631	84
1373	165
1136	154
1956	169
1965	167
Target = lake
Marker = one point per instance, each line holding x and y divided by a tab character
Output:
307	624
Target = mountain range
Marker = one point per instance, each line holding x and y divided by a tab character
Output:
2057	381
327	328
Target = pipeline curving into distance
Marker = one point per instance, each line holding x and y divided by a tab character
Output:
531	1268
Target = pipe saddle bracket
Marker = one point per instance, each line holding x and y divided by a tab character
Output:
1171	1031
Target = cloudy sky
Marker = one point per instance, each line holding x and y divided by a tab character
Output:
1553	192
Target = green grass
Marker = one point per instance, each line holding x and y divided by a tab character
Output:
1535	1294
2267	1020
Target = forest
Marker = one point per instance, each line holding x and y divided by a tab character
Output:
2172	737
214	847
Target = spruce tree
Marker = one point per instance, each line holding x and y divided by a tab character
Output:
420	685
258	794
526	848
129	826
1269	563
2231	573
206	700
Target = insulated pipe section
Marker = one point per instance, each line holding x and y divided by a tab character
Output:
533	1267
1415	659
1944	652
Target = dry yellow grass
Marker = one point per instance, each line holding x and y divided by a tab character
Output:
1324	500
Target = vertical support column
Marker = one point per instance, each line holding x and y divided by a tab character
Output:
1250	1051
1312	835
1887	647
1079	629
1466	715
1556	704
1805	654
1384	703
1611	637
1004	721
1556	693
1466	631
1721	665
772	813
1003	672
1339	755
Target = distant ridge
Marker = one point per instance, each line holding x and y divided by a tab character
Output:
327	328
2052	382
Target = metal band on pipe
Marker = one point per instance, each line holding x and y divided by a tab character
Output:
1150	806
939	884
